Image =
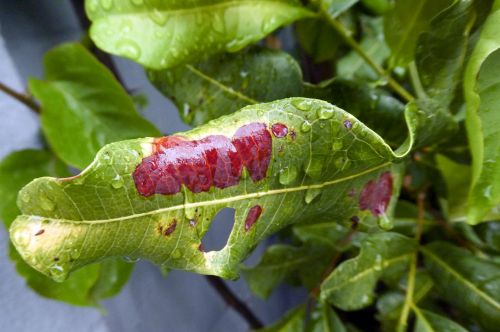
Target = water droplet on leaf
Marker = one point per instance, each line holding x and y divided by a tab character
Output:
325	113
117	182
107	4
288	175
311	194
306	126
129	49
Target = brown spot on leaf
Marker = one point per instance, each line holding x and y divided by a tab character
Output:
252	216
377	194
40	232
56	259
171	228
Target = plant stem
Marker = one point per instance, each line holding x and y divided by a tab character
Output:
235	303
415	80
410	288
20	97
342	31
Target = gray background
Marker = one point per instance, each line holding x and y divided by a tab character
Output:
149	302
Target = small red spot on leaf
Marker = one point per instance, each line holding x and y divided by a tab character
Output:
40	232
252	216
215	160
279	130
201	247
293	135
171	228
377	194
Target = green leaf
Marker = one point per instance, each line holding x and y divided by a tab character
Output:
431	322
324	319
327	234
163	34
440	52
351	285
404	23
317	154
86	286
277	262
225	83
336	7
83	106
292	321
477	282
353	66
481	84
318	39
378	6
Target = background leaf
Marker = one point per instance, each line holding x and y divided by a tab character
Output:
403	25
83	106
324	319
351	285
457	271
292	321
481	84
430	322
164	34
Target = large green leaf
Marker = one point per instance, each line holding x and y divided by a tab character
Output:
164	33
324	163
481	87
83	106
467	282
324	319
440	53
86	286
405	22
292	321
351	285
430	322
225	83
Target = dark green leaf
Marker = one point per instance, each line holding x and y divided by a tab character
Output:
83	106
465	281
431	322
318	39
405	22
337	7
223	84
440	52
378	6
324	319
351	285
481	86
164	34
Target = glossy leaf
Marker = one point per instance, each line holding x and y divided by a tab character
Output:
430	322
481	84
378	6
318	39
457	271
440	52
351	285
316	154
337	7
83	106
353	66
225	83
163	34
86	286
403	25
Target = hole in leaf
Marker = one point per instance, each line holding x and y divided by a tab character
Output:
218	233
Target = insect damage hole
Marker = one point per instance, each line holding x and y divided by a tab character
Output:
218	233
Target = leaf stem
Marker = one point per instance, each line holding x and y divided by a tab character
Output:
231	300
410	288
342	31
415	80
20	97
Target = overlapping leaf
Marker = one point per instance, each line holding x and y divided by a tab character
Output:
481	84
456	271
83	106
163	34
430	322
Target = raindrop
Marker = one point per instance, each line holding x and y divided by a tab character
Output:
129	259
314	168
306	126
311	194
159	17
384	222
107	4
21	238
303	105
287	175
46	203
58	272
129	49
117	182
325	113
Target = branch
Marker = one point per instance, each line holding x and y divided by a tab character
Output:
235	303
26	100
342	31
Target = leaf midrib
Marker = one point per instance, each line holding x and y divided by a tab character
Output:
461	278
224	200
